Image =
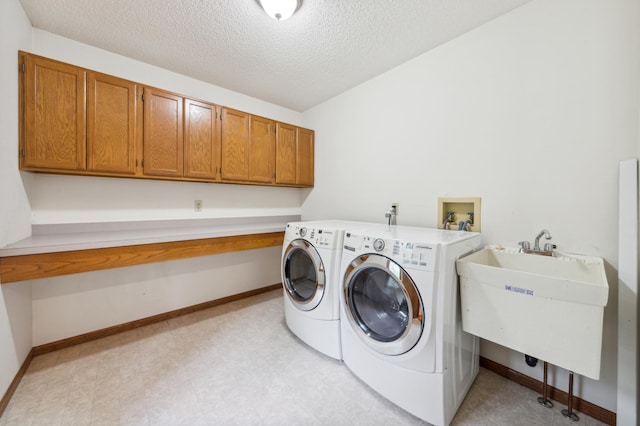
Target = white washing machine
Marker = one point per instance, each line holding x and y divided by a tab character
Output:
310	266
401	329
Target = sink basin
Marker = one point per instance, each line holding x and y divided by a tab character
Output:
548	307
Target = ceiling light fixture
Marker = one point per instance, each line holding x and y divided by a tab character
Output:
280	9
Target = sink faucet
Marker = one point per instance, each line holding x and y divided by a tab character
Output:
547	235
548	247
391	216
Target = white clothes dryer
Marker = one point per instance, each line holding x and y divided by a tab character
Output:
401	330
310	266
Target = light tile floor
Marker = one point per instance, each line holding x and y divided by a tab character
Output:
235	364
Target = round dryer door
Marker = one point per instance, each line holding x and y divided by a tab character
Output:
303	274
383	304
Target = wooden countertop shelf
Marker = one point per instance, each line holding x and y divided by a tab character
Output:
43	265
48	254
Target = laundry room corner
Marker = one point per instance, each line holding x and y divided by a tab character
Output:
505	114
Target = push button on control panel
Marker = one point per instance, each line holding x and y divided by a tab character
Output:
419	256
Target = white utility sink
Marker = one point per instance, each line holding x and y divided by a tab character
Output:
547	307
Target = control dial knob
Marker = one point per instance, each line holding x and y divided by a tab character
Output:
303	232
378	244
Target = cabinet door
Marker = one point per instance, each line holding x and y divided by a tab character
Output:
304	160
54	133
235	145
201	140
111	124
163	137
285	154
262	150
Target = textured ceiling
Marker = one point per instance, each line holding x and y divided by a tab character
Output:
327	47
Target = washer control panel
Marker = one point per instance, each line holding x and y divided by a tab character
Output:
408	254
318	237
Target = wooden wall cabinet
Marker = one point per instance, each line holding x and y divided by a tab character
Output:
78	121
262	148
111	124
248	147
53	130
163	134
235	145
305	157
294	155
201	140
286	151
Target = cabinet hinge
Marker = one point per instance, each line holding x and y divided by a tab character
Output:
142	164
21	152
22	67
142	95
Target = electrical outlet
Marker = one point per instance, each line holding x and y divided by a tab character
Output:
197	205
396	206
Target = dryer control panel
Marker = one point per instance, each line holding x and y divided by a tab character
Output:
409	254
318	237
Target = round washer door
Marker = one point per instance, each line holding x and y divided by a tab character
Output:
303	274
383	304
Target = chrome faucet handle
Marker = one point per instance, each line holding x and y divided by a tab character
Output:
524	245
550	247
546	234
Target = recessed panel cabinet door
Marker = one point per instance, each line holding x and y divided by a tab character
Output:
111	124
201	140
54	130
304	163
286	154
235	145
163	137
262	150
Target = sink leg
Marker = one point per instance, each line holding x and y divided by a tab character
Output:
568	412
543	400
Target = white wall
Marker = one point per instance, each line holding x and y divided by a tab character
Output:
531	112
15	34
627	410
72	199
15	299
76	304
